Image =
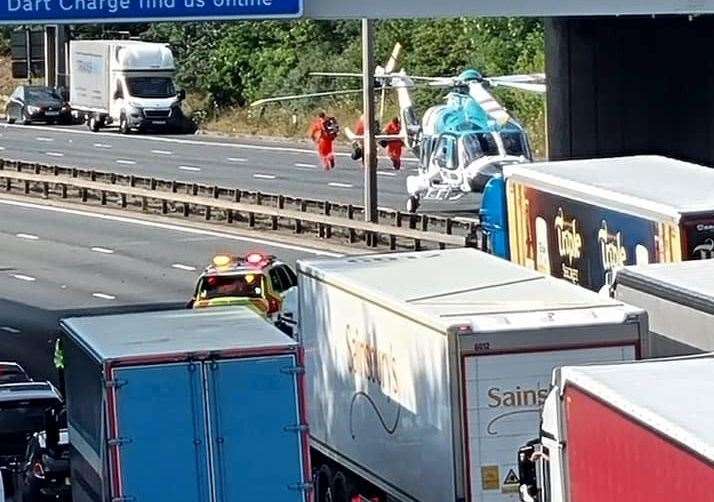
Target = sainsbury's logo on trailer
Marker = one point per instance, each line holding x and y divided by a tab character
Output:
376	365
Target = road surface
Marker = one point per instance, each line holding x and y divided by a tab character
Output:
57	262
285	168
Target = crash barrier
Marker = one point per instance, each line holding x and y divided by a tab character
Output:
258	210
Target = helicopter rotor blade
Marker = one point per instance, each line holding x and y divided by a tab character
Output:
294	97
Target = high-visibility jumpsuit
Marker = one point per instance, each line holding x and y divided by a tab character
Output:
394	147
324	142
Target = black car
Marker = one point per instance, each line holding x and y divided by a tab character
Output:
44	472
30	103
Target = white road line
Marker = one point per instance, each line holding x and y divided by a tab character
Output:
27	236
386	173
44	138
104	296
166	226
2	148
54	154
103	250
236	159
23	277
102	145
162	152
189	168
300	164
264	176
126	162
10	329
340	185
183	267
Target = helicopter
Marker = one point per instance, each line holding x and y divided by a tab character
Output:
460	144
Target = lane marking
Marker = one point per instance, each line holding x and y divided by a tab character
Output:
2	148
10	329
159	139
300	164
340	185
27	236
101	145
44	138
176	228
162	152
102	250
189	168
183	267
264	176
126	162
236	159
104	296
386	173
54	154
23	277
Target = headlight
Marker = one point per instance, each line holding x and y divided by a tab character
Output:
33	109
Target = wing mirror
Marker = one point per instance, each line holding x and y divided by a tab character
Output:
181	95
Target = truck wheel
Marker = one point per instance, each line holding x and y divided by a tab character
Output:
323	476
341	488
9	119
93	123
124	125
412	204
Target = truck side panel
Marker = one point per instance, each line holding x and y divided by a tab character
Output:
257	442
161	429
611	457
504	396
89	77
379	393
580	242
698	241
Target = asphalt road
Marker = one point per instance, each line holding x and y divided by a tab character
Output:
286	168
57	262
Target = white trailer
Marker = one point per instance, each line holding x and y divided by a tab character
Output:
124	82
679	300
427	371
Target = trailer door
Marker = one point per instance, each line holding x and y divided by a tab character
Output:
160	436
256	437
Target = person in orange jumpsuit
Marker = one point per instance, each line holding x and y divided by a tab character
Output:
357	153
394	146
324	140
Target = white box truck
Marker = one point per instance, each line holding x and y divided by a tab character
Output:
124	82
426	371
629	432
679	300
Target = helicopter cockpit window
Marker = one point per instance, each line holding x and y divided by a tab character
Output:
478	145
513	143
444	156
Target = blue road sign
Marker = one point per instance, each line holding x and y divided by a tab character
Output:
117	11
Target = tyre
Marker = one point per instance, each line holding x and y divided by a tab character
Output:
412	204
124	125
93	123
341	488
323	478
23	119
9	119
51	122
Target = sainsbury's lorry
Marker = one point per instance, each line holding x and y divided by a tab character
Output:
679	300
631	432
125	83
185	406
581	220
426	371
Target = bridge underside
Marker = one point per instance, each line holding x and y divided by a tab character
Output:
631	85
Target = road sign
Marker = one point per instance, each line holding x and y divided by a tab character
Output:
117	11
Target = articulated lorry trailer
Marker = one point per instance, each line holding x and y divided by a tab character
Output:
126	83
426	371
185	406
581	220
679	300
629	432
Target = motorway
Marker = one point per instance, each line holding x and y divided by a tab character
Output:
57	262
287	168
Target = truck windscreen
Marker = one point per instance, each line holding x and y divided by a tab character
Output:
151	87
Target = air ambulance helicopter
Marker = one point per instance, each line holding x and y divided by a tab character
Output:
460	144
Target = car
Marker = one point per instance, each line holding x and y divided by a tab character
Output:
12	373
36	103
43	473
256	280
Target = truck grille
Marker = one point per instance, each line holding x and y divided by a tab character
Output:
157	114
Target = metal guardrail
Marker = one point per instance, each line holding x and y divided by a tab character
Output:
327	219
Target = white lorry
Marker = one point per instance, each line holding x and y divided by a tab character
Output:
426	371
628	432
679	300
124	82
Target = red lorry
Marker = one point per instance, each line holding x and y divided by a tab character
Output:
627	432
